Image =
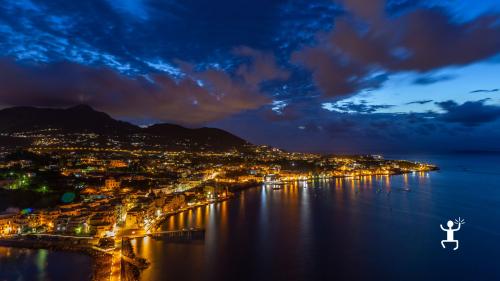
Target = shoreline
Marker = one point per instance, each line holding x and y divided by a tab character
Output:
101	261
166	216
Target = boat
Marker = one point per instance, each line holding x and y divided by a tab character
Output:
407	189
272	180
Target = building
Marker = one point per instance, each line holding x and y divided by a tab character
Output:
7	224
118	164
111	183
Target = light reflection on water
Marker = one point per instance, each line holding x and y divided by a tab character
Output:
43	265
368	228
341	229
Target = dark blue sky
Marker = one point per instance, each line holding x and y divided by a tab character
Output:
340	76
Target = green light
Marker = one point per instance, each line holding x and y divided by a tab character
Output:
44	189
68	197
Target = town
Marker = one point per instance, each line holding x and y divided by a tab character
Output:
101	191
67	190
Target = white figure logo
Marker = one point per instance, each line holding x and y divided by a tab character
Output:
450	232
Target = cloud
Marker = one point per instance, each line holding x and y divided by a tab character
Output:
286	112
431	79
379	131
435	41
484	91
343	126
332	131
419	102
471	113
370	10
262	68
135	8
129	29
352	107
333	77
157	97
368	40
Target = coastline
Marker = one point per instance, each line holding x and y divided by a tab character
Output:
101	260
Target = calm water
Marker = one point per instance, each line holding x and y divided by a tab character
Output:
329	230
42	265
345	230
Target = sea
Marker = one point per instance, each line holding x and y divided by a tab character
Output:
368	228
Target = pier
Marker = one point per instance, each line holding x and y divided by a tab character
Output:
173	235
180	235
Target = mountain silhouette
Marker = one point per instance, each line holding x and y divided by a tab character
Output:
84	119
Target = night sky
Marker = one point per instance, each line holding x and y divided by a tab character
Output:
309	75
